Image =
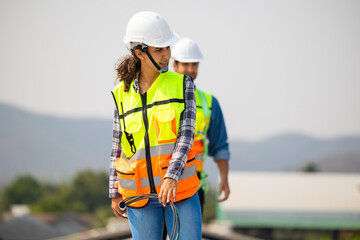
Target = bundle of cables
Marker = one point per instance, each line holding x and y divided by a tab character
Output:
176	223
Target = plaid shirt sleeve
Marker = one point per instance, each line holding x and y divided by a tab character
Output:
115	153
186	133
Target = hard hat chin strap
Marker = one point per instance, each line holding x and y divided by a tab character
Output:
144	48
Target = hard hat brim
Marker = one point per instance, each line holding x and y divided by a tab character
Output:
167	43
188	60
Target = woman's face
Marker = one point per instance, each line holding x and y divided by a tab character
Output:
160	55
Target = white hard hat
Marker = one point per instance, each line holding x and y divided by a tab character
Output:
186	50
149	28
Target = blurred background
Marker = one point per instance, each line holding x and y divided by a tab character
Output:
286	74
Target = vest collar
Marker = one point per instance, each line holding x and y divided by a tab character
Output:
153	87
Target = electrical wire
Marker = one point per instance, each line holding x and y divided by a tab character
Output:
176	223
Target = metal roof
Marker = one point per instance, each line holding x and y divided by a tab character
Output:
303	200
26	227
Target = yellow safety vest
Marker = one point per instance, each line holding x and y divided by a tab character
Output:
201	125
150	124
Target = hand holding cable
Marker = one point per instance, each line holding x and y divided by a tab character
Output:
176	223
168	188
115	207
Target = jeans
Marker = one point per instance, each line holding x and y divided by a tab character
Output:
148	222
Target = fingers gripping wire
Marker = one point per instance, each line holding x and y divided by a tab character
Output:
176	223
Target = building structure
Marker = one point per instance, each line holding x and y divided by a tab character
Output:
279	205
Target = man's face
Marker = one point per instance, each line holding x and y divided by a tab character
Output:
190	69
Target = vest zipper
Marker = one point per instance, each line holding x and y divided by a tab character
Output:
147	143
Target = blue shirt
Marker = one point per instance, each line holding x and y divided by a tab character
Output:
218	147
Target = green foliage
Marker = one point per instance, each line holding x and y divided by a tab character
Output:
102	215
24	190
79	207
89	191
310	167
50	203
319	238
356	236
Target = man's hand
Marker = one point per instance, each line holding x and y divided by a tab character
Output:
223	166
115	207
168	188
224	187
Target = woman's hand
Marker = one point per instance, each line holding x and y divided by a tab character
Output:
168	188
115	207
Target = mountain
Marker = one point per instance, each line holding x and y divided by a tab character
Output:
287	152
51	148
345	162
54	148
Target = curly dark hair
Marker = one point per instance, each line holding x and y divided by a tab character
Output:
128	67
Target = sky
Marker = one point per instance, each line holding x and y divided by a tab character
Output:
275	66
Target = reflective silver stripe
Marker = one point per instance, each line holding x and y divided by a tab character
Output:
140	154
162	149
131	184
127	183
157	181
188	172
198	157
154	151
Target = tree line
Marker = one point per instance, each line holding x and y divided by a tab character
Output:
87	192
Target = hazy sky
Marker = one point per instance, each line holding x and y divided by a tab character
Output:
275	66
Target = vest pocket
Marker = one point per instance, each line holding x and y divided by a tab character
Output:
134	125
165	125
128	176
188	173
188	178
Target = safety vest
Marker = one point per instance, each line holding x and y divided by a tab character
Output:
150	124
201	125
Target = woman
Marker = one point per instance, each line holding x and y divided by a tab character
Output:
153	132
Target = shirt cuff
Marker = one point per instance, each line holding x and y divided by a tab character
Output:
172	176
222	154
113	193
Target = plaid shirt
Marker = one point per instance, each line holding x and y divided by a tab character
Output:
182	146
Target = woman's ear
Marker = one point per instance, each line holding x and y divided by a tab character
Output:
139	54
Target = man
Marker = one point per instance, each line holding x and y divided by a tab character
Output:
210	131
